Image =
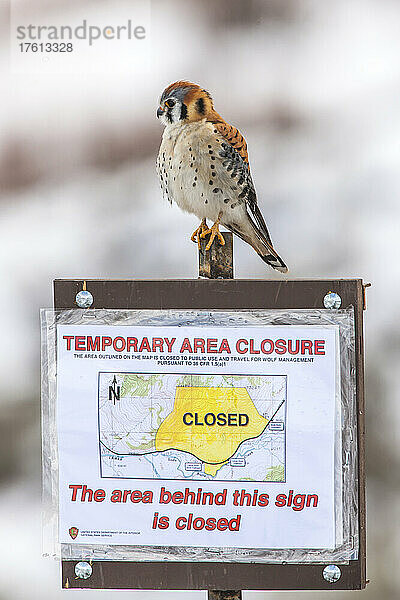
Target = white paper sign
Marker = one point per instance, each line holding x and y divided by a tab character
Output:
197	436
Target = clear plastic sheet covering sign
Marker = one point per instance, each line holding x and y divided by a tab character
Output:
179	431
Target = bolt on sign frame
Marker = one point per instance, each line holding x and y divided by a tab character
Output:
232	295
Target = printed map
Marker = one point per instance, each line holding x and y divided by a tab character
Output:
192	427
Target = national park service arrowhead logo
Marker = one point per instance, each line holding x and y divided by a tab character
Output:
73	532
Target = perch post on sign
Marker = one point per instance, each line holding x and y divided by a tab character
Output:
214	264
198	405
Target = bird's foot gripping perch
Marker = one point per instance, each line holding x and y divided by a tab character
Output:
214	232
198	233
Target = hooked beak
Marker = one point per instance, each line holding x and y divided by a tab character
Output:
160	112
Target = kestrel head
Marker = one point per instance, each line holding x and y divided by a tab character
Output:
184	102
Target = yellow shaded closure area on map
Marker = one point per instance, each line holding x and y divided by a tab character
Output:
210	423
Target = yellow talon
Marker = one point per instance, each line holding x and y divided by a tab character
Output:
215	233
195	237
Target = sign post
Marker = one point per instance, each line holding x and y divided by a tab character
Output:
218	264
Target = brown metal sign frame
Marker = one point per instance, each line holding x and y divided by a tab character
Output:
227	294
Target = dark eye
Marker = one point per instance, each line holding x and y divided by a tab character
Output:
170	102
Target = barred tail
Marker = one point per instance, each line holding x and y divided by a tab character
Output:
260	242
274	261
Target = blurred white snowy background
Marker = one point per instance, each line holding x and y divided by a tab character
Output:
315	88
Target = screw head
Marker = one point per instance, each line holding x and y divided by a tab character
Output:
332	300
331	573
83	570
84	299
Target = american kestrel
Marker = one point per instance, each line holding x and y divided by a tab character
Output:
203	166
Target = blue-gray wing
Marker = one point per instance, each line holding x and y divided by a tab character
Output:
239	170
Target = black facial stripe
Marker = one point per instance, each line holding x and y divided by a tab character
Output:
184	112
200	106
169	116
